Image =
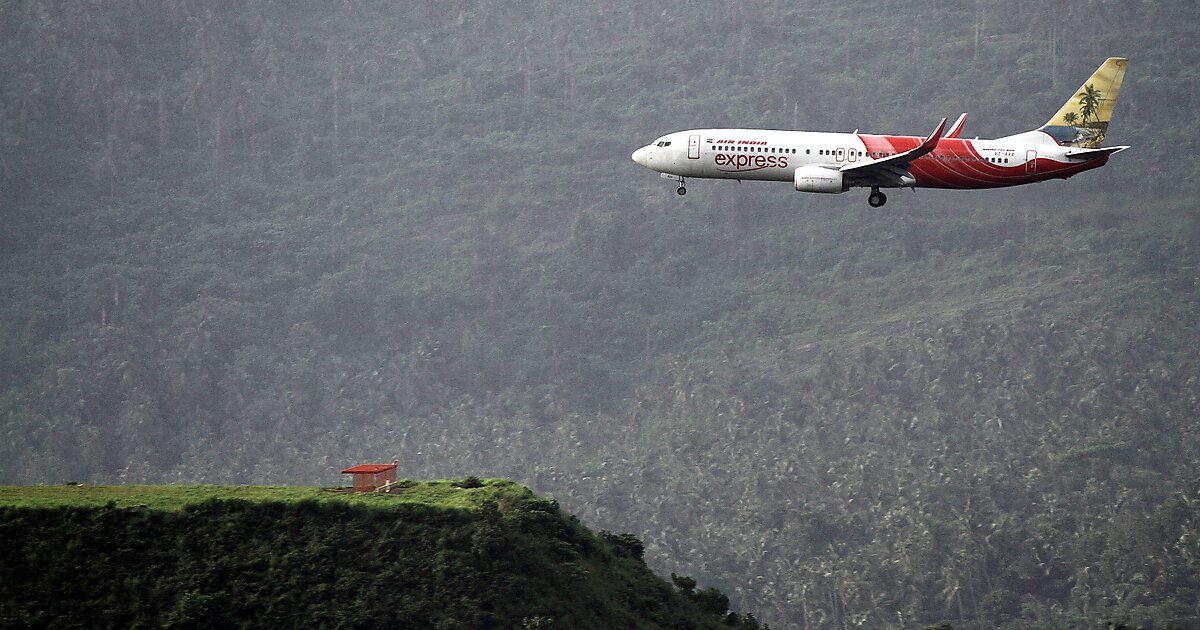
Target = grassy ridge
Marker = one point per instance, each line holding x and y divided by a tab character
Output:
441	494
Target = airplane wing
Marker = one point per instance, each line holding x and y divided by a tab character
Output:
894	167
957	127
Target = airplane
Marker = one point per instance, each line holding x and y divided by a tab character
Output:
826	162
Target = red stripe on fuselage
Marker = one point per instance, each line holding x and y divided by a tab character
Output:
947	166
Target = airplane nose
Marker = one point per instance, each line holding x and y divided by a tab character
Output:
642	156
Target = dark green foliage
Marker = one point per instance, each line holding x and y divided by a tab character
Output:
686	585
235	563
469	482
626	544
712	601
258	242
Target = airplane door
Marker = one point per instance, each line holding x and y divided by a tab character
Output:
851	155
694	147
1031	161
841	155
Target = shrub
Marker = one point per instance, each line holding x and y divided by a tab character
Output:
469	482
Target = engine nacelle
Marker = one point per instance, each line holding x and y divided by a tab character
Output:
819	180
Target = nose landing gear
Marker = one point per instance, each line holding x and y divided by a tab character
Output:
682	190
876	199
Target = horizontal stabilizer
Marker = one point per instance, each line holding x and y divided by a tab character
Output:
1088	154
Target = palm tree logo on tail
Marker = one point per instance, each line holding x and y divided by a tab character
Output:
1090	132
1083	120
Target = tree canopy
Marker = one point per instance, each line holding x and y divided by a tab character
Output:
257	242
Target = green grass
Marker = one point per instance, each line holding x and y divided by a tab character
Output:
441	494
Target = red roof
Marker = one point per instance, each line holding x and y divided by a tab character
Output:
368	468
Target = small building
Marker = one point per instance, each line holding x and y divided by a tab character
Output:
369	477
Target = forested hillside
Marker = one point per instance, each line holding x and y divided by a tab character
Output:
256	242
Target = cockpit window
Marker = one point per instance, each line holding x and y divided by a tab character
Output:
665	143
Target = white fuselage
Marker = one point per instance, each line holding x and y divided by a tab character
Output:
774	155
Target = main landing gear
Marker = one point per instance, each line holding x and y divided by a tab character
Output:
681	190
876	199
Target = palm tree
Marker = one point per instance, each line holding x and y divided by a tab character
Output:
1089	103
1070	118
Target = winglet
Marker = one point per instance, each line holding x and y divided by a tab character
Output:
932	141
957	127
926	146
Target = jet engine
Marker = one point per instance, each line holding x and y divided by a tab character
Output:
819	180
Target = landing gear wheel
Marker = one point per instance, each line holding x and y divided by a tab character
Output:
681	191
876	199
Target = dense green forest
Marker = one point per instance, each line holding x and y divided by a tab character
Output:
443	555
257	242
